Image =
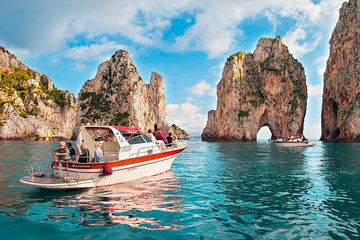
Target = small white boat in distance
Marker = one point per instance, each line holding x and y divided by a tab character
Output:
297	140
129	155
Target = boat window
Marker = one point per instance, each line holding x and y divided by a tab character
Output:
147	139
137	140
101	134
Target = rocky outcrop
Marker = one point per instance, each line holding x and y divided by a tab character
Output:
30	106
340	117
180	133
266	88
118	96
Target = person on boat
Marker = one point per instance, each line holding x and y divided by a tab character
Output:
169	138
98	153
175	142
62	152
150	135
71	150
83	152
110	137
158	135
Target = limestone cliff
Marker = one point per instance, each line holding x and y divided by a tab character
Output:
118	96
340	117
30	106
264	88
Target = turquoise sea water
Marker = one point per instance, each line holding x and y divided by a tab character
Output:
214	191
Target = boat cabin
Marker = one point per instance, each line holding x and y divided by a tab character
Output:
117	142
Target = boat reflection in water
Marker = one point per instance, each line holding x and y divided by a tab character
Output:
137	204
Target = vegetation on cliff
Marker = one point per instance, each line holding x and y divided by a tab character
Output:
16	80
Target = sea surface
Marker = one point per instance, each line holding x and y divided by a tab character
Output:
213	191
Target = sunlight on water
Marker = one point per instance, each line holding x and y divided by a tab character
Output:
214	191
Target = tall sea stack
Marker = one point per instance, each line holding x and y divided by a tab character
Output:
340	117
118	96
264	88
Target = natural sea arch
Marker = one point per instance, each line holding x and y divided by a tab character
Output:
264	133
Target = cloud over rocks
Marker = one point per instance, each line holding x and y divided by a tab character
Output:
187	116
202	89
98	51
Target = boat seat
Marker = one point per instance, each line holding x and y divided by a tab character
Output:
111	150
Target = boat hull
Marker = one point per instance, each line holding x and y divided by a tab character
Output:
294	144
72	175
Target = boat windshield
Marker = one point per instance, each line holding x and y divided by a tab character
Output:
139	139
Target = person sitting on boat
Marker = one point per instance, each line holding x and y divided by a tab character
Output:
158	134
71	150
62	153
175	142
169	139
83	152
98	153
150	135
110	137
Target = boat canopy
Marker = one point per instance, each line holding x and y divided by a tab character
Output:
127	129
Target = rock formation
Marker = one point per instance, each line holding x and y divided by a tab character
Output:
118	96
29	104
180	133
340	117
266	88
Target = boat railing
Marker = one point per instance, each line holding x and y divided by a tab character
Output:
72	178
34	170
143	151
111	157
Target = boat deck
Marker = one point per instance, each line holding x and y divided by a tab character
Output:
46	181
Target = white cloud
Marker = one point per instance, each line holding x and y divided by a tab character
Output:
217	70
216	27
321	64
202	89
99	51
47	25
298	42
315	90
20	53
214	31
187	116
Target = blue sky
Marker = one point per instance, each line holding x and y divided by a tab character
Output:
185	41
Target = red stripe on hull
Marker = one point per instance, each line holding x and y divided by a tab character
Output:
118	163
115	170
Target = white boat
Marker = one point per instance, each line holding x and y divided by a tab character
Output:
294	144
297	140
128	153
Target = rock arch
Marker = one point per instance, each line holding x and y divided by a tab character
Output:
266	87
